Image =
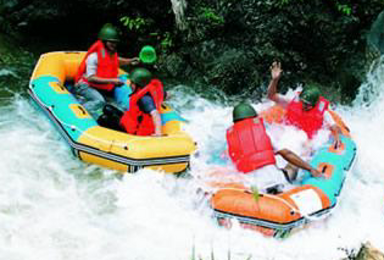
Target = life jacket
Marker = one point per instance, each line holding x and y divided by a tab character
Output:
309	121
136	122
107	66
249	145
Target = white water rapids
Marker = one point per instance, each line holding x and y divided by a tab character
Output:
55	207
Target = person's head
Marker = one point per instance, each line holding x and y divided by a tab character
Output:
110	37
147	55
309	97
141	77
243	111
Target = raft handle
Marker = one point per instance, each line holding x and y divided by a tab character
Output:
324	169
62	87
82	110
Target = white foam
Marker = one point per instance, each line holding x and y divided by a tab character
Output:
52	206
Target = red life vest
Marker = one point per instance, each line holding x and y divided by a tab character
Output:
249	146
107	66
309	121
136	122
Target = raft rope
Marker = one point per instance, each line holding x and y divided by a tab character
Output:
75	128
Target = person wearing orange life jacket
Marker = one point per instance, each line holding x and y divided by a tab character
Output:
98	72
308	110
253	153
143	117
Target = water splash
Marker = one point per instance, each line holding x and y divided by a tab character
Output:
53	206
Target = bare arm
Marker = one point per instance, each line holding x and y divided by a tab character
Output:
128	61
335	130
295	160
272	87
99	80
275	74
333	127
157	122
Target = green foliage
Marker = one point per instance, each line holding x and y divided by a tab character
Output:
255	193
316	40
166	42
211	16
282	3
344	9
134	24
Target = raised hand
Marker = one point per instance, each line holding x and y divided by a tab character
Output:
276	70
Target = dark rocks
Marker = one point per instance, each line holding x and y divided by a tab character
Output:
366	252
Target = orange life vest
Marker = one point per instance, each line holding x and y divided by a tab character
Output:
249	145
136	122
107	66
309	121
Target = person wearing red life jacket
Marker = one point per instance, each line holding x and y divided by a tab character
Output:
253	152
98	72
143	117
308	110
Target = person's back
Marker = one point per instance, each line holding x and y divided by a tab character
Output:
143	117
251	150
249	146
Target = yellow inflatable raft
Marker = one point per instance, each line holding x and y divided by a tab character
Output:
96	144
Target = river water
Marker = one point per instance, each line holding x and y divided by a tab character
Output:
55	207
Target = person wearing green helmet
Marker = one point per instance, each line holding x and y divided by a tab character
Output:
143	115
252	149
308	110
98	72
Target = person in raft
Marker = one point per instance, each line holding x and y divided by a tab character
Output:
143	116
98	72
253	153
307	110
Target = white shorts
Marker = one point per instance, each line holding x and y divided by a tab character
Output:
267	177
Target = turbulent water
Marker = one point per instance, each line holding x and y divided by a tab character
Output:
53	206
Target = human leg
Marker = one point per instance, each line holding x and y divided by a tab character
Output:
157	122
90	98
268	179
290	172
121	96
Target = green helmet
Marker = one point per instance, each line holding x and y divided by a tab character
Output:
141	76
148	54
310	95
109	33
242	111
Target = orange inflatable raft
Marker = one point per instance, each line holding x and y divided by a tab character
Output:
308	200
